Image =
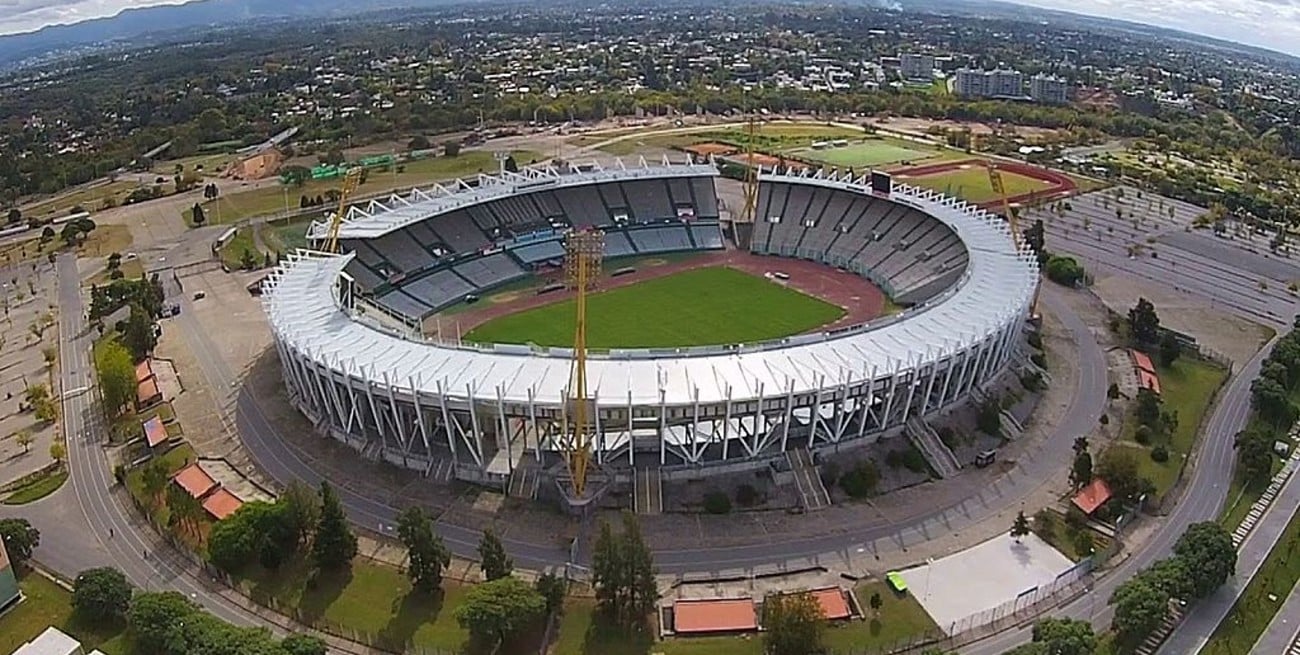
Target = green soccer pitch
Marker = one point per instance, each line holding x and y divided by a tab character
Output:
705	306
872	152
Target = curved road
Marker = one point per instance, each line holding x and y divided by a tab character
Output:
280	460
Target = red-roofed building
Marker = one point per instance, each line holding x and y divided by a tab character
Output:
195	481
1145	371
721	615
1141	361
1092	496
147	393
222	503
831	600
143	371
154	432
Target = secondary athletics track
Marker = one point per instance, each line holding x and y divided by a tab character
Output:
1060	184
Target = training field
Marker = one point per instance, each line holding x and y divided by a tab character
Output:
972	184
872	152
716	305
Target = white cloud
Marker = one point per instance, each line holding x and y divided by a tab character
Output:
29	15
1273	24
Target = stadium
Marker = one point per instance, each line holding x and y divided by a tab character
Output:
726	360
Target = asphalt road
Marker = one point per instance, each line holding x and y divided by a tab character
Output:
1203	498
1281	633
282	463
116	532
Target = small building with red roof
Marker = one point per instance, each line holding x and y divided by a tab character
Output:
1092	496
195	481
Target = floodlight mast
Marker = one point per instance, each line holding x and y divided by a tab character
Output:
582	259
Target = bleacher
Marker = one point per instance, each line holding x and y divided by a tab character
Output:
910	255
423	267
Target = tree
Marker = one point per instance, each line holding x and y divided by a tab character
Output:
1119	469
451	149
1112	392
1255	455
1139	608
493	559
196	213
58	452
334	157
623	573
1143	323
876	603
335	545
794	624
301	509
1019	527
24	439
139	336
15	216
303	645
154	479
553	589
184	510
20	539
425	551
153	618
47	234
511	165
1210	556
498	610
1172	576
1147	409
116	373
418	142
1065	636
232	542
101	595
1081	470
1064	270
1170	349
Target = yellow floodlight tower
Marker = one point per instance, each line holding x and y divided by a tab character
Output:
582	258
351	180
751	171
1013	221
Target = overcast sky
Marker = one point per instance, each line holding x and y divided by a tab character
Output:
1269	23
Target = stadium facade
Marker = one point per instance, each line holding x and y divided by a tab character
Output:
351	328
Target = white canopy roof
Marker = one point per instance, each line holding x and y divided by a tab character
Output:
301	302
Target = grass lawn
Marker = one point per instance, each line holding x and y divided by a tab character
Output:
579	634
131	269
1187	388
38	488
900	619
233	251
770	137
1247	619
48	604
1240	498
369	598
705	306
872	152
972	184
90	199
211	163
273	199
286	236
127	426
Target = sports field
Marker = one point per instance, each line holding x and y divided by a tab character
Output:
716	305
972	184
872	152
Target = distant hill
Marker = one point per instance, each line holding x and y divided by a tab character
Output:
136	22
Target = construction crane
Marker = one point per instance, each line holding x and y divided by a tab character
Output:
1013	221
582	259
751	172
351	180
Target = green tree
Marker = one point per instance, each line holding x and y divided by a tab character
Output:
1172	576
303	645
15	216
139	335
101	595
499	610
418	142
451	149
623	573
1034	237
1081	470
794	625
1143	323
511	165
553	589
154	617
1170	349
1065	636
24	439
1139	608
1254	455
1019	527
876	603
1119	468
426	554
20	539
335	545
232	542
301	509
58	452
1210	556
116	373
184	510
247	260
492	556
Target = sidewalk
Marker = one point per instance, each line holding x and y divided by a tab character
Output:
1281	631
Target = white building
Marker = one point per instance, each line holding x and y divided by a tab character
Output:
997	83
1048	89
970	83
53	642
916	67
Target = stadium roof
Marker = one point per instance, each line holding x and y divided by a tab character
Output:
301	303
379	217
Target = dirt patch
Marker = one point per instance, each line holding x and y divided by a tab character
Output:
861	300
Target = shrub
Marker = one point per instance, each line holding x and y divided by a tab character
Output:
894	459
1039	360
1159	454
914	461
1045	523
947	436
861	480
1064	270
1143	434
830	474
1036	340
747	495
1032	382
716	502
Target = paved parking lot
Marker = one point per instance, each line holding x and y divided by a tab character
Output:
26	330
